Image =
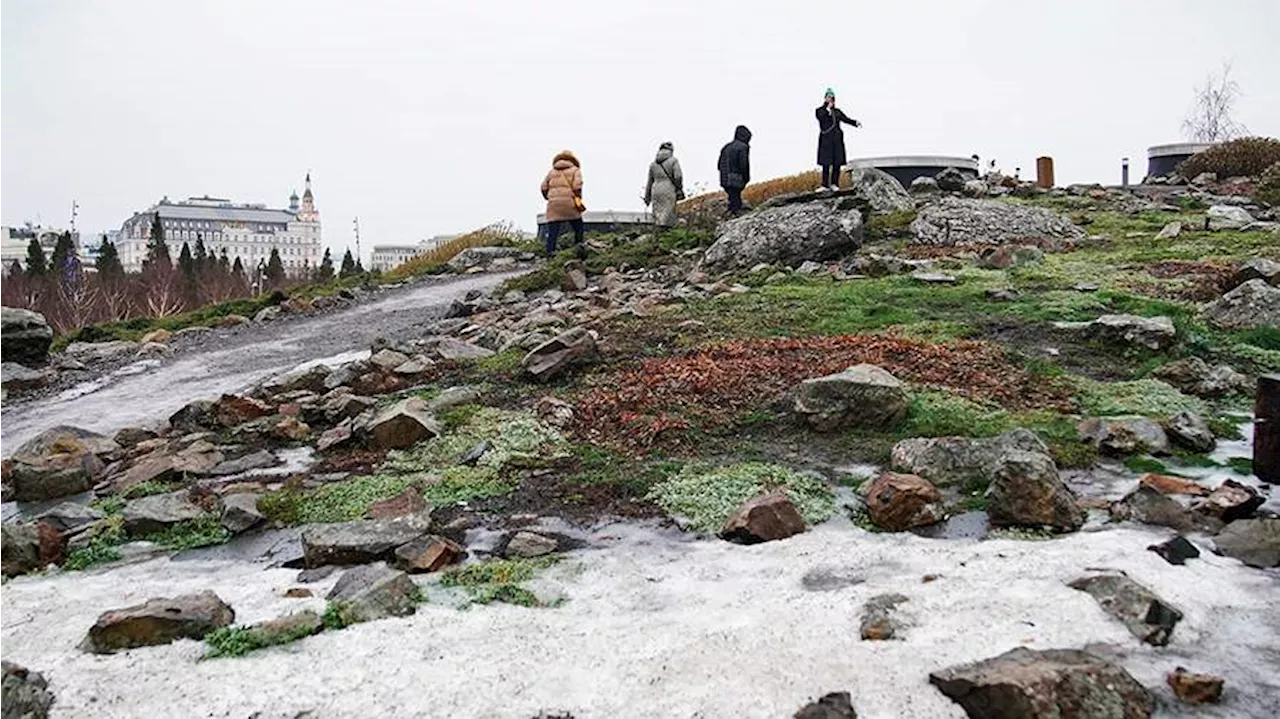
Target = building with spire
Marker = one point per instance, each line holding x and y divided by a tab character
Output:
247	231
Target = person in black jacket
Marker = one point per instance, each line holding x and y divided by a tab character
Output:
831	140
735	167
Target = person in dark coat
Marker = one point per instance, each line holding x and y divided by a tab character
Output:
831	140
735	167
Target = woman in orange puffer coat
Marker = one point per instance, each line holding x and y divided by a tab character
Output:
562	189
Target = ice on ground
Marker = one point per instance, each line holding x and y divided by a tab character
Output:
658	626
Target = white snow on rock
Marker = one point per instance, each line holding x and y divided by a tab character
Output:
658	626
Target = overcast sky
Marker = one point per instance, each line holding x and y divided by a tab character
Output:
425	117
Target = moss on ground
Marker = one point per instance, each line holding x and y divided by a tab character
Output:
237	641
706	496
1146	397
498	580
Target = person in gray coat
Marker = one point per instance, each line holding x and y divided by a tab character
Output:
665	186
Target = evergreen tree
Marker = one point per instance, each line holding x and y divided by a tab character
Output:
108	263
224	262
200	255
359	267
186	262
324	272
237	269
64	251
157	250
348	265
36	265
275	268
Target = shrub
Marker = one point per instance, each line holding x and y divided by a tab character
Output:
1268	188
1246	157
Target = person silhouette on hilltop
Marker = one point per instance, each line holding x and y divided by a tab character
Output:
831	155
735	167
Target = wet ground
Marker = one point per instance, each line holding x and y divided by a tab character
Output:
230	360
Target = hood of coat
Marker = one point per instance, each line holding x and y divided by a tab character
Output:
664	154
565	160
742	134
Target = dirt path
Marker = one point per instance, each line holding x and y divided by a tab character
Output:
231	360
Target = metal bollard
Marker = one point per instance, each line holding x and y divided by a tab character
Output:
1266	429
1124	172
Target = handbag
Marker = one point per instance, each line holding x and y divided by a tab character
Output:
578	204
679	189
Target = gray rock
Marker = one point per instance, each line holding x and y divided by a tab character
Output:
924	186
1153	333
193	417
1194	376
1256	542
70	516
483	257
344	375
1190	432
361	541
375	591
403	425
262	459
58	462
26	336
863	395
416	365
530	544
94	353
388	359
1169	231
1026	491
64	439
950	180
934	278
1252	304
958	221
1150	506
26	694
311	379
453	397
158	621
1257	268
149	515
20	550
1226	217
975	188
266	314
1030	684
880	190
1120	436
573	347
789	235
454	349
836	705
947	461
240	512
14	376
879	617
132	436
1147	617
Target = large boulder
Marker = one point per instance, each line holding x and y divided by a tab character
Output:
573	347
403	425
959	221
149	515
158	621
950	180
1196	377
26	694
764	519
59	462
1256	542
947	461
1120	436
1228	217
898	502
1026	491
363	594
1252	304
1145	615
362	541
863	395
1150	506
1231	501
788	235
1187	430
881	191
1044	684
1153	333
1258	268
26	337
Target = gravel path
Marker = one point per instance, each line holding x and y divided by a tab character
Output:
233	359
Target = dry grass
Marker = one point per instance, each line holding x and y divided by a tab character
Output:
499	233
757	192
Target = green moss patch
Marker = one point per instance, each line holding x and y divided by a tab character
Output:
498	580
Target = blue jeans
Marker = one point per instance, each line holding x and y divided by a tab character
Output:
553	234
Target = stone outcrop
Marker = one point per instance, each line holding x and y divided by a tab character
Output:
1256	542
361	541
1258	268
149	515
568	349
1153	333
1120	436
881	191
59	462
947	461
1187	430
403	425
957	221
1252	304
158	621
240	512
26	693
764	519
1026	491
898	502
788	235
1144	614
26	337
374	591
1228	217
1196	377
1030	684
863	395
485	258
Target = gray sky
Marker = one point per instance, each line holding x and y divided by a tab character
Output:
432	117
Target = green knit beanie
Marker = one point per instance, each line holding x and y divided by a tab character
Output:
829	93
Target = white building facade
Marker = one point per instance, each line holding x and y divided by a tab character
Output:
15	240
247	231
386	257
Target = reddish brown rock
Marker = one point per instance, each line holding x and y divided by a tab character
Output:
764	519
1195	688
158	621
231	410
298	593
290	428
407	502
1173	485
898	502
53	544
429	554
1231	501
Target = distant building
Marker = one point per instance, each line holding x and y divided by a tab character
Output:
247	231
15	240
386	257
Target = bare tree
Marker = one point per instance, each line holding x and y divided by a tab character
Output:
1210	117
